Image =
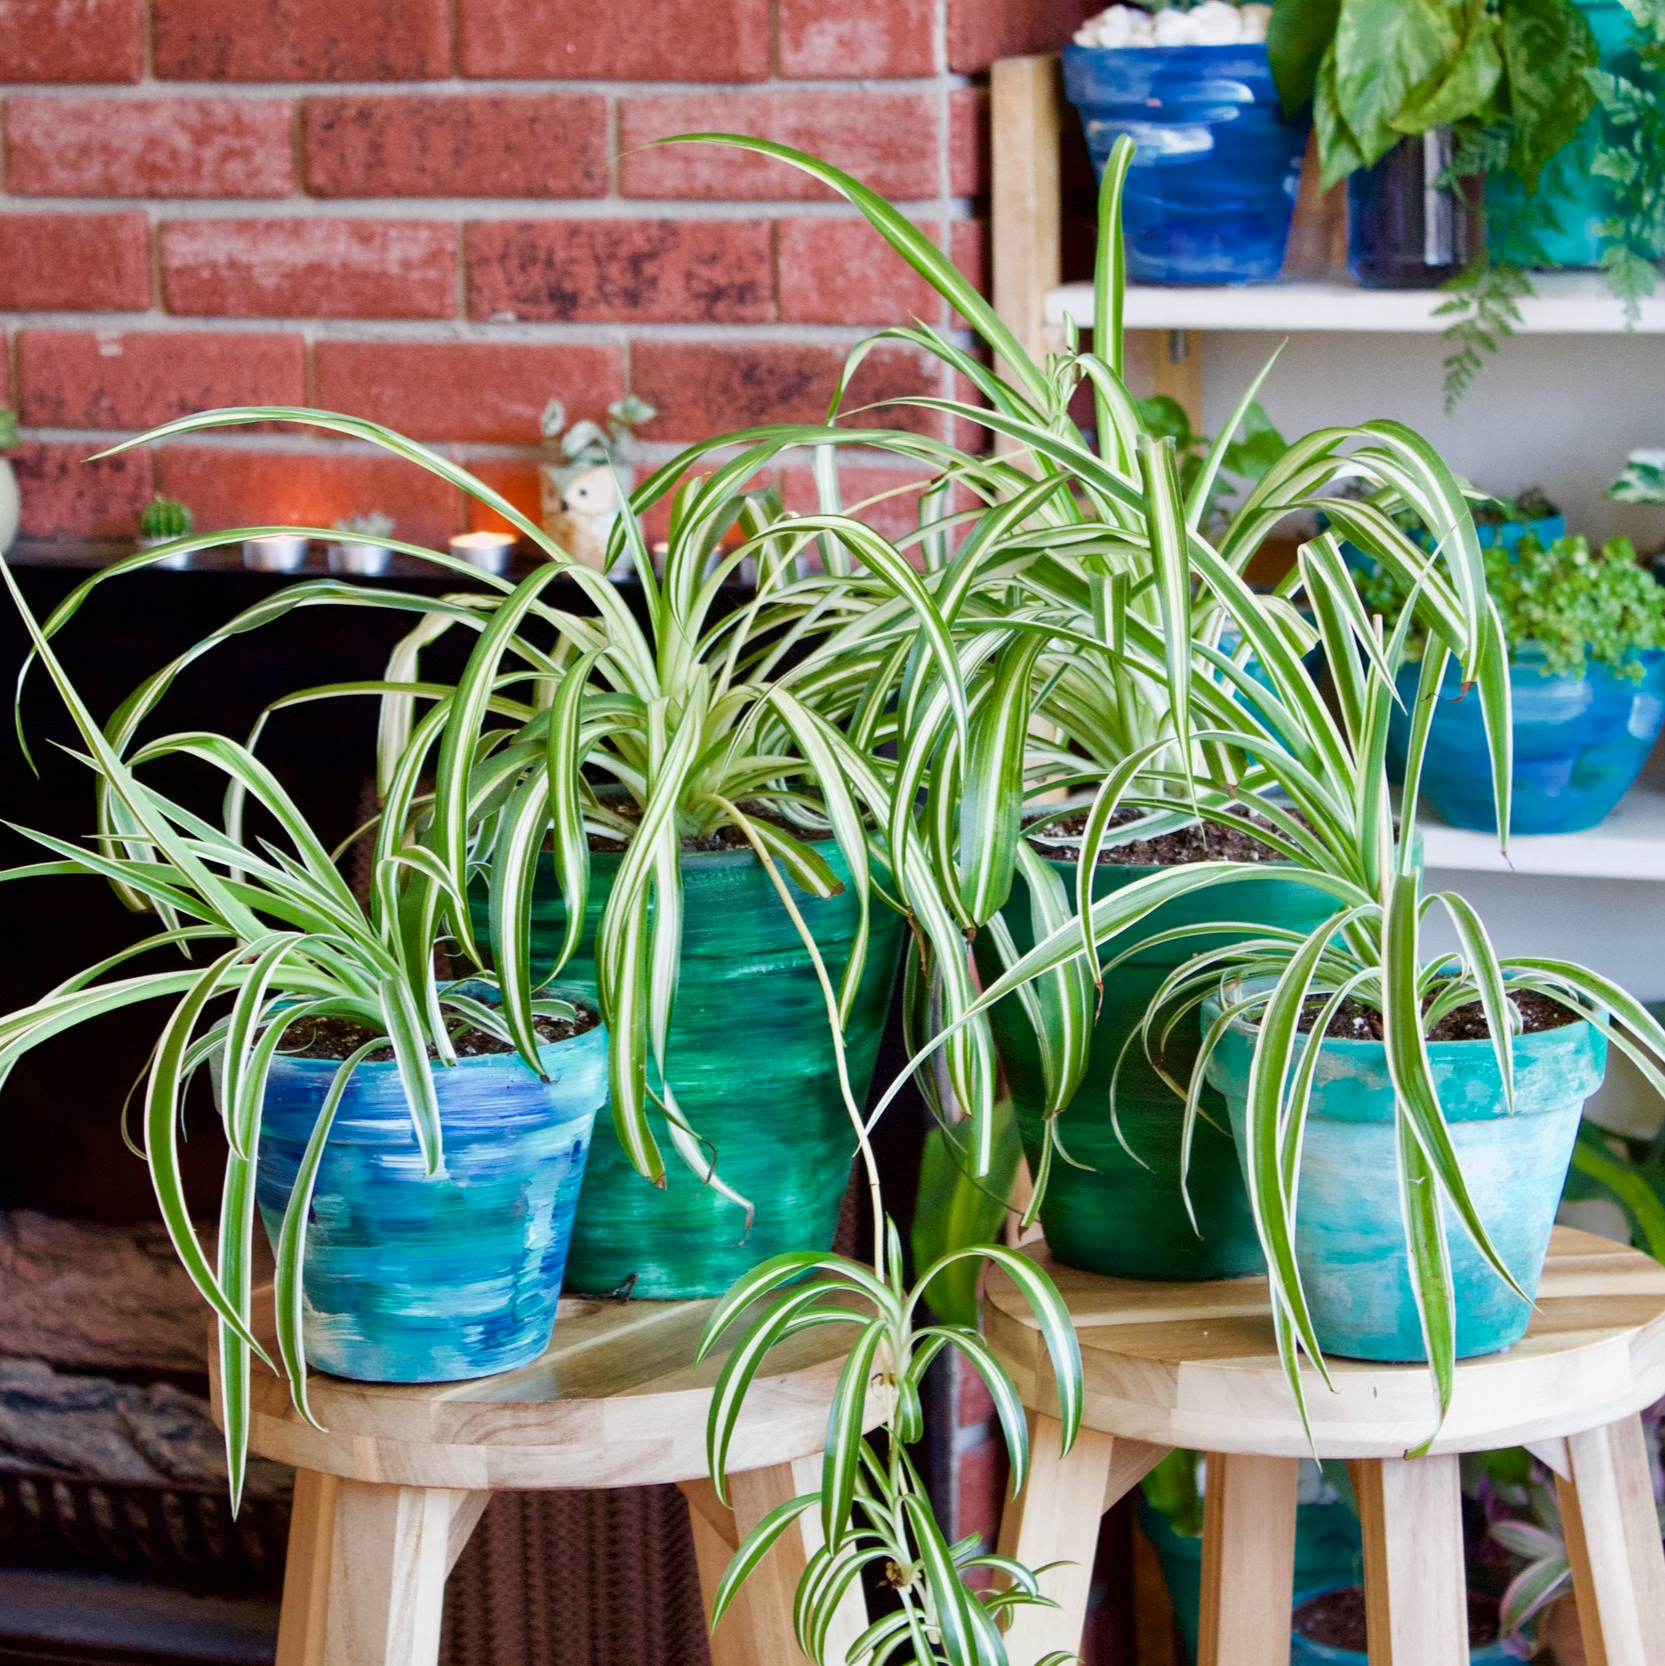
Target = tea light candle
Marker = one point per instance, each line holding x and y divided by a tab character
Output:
490	550
280	553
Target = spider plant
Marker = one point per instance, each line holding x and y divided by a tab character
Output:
1087	596
1085	593
265	932
768	718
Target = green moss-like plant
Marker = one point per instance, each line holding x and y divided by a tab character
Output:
8	428
1576	605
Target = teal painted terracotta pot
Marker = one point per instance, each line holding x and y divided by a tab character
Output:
1349	1239
752	1065
411	1277
1123	1213
1327	1553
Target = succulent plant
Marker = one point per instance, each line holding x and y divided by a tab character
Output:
377	524
164	517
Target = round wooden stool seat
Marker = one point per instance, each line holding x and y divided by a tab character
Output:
1195	1366
388	1491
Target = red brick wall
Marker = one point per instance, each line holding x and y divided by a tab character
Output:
435	213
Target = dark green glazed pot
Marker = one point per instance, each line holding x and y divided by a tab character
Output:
751	1062
1120	1216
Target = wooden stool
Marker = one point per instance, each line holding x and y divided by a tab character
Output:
1194	1365
386	1500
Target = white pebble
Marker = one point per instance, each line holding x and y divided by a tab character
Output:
1174	29
1214	23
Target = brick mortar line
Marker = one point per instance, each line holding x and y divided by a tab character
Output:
652	453
447	332
775	86
301	207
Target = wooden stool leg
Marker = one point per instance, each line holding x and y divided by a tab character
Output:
1248	1580
1056	1519
364	1584
1415	1584
1618	1567
306	1571
757	1629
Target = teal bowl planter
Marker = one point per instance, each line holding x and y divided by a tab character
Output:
1212	187
1579	744
1577	198
1305	1652
1349	1239
751	1062
1123	1213
418	1278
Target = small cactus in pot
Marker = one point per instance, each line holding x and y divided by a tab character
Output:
161	521
582	493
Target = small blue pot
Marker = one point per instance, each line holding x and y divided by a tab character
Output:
1212	186
1349	1239
1304	1652
1580	742
412	1278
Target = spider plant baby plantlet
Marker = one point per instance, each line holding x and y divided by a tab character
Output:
416	1177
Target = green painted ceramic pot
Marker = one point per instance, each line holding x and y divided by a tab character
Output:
1350	1237
751	1063
1124	1214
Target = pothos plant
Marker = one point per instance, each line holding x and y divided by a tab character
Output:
1511	80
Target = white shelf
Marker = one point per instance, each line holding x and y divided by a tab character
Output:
1566	303
1630	844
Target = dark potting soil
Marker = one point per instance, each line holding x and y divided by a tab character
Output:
1358	1021
340	1038
726	837
1336	1618
1201	843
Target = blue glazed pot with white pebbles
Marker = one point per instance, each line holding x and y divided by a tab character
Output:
1211	189
411	1277
1349	1236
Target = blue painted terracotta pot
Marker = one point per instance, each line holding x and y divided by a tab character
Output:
1349	1239
1580	743
1305	1652
1212	187
415	1278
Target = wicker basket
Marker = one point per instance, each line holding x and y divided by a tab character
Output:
181	1534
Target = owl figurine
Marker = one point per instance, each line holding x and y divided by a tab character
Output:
579	511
